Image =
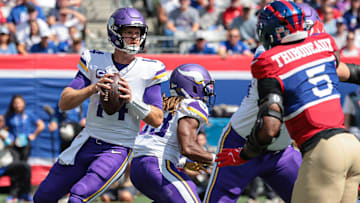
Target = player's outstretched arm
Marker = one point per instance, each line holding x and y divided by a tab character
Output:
348	72
269	119
187	133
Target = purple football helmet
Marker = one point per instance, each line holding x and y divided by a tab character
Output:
120	19
311	15
192	81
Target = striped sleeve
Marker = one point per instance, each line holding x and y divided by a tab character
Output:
160	74
195	109
84	63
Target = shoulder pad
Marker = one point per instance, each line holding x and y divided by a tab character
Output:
159	71
195	109
84	61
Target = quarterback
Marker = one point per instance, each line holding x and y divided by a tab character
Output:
99	155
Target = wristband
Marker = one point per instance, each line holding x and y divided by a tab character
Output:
140	108
213	157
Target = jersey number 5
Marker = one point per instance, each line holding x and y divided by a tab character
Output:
315	80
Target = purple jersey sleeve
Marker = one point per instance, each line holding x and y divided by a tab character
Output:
153	97
80	81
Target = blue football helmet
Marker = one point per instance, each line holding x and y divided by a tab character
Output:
120	19
192	81
280	22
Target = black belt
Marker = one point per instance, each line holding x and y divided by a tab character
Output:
324	134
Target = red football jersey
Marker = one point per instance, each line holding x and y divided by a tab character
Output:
317	28
307	74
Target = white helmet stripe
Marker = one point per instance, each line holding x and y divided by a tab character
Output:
198	77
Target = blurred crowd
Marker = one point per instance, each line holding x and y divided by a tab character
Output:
41	26
193	26
229	27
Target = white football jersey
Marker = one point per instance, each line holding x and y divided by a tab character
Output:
162	142
243	120
122	127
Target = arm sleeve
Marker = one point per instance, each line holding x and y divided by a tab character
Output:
153	97
80	81
267	86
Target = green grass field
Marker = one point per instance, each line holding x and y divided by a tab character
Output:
140	199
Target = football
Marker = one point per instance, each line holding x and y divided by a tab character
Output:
110	101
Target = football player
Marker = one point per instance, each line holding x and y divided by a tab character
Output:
298	77
99	155
157	151
278	166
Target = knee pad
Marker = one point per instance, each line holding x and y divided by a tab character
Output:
75	199
86	186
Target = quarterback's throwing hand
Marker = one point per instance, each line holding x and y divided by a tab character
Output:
230	157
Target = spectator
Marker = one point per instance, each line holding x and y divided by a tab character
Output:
2	17
122	190
201	46
351	110
75	45
18	171
6	45
329	21
61	28
27	33
350	50
233	45
341	33
45	45
19	14
323	9
164	8
184	18
210	17
34	36
351	15
70	123
246	24
21	124
45	5
198	4
68	4
233	11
